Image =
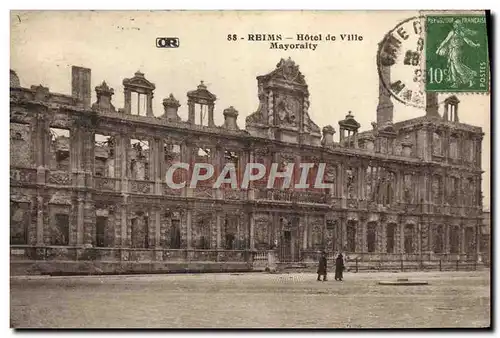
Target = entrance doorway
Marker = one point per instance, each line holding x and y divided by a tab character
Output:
289	248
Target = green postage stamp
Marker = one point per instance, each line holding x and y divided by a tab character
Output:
457	53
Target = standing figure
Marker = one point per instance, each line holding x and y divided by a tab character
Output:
453	48
339	267
322	266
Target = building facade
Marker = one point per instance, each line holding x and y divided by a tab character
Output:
486	237
88	179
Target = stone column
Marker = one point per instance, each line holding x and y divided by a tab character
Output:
430	237
419	239
128	101
37	140
79	227
211	122
478	240
340	180
250	154
306	231
149	111
89	222
402	238
363	243
399	185
125	172
124	223
383	237
252	230
359	182
189	220
159	166
139	104
447	239
152	159
191	111
157	218
343	235
40	220
462	239
219	229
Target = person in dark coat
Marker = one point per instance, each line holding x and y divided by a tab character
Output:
339	267
322	267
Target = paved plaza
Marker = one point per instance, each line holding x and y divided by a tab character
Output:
252	300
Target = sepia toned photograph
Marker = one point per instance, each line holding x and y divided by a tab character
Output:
250	169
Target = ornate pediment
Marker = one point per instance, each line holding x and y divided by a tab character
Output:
283	106
288	71
138	81
201	93
349	123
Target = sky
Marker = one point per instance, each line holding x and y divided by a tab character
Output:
342	76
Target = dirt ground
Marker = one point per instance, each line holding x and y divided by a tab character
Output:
251	300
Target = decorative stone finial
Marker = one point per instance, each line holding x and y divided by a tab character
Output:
170	106
328	132
407	144
230	115
104	94
14	79
202	85
328	129
104	89
230	112
171	101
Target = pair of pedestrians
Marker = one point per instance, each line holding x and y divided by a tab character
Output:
339	267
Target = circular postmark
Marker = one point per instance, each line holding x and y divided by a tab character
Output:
400	62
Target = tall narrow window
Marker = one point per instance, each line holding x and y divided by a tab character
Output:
351	236
454	239
391	235
175	235
60	230
101	223
371	237
408	244
139	159
19	221
59	149
439	239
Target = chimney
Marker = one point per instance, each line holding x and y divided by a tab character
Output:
230	115
385	107
80	85
431	104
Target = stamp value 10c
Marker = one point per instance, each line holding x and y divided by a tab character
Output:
456	53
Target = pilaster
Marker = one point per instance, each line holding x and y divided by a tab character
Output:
124	222
189	220
218	223
157	220
252	230
402	238
79	227
40	220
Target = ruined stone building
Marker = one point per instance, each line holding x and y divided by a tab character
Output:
88	179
